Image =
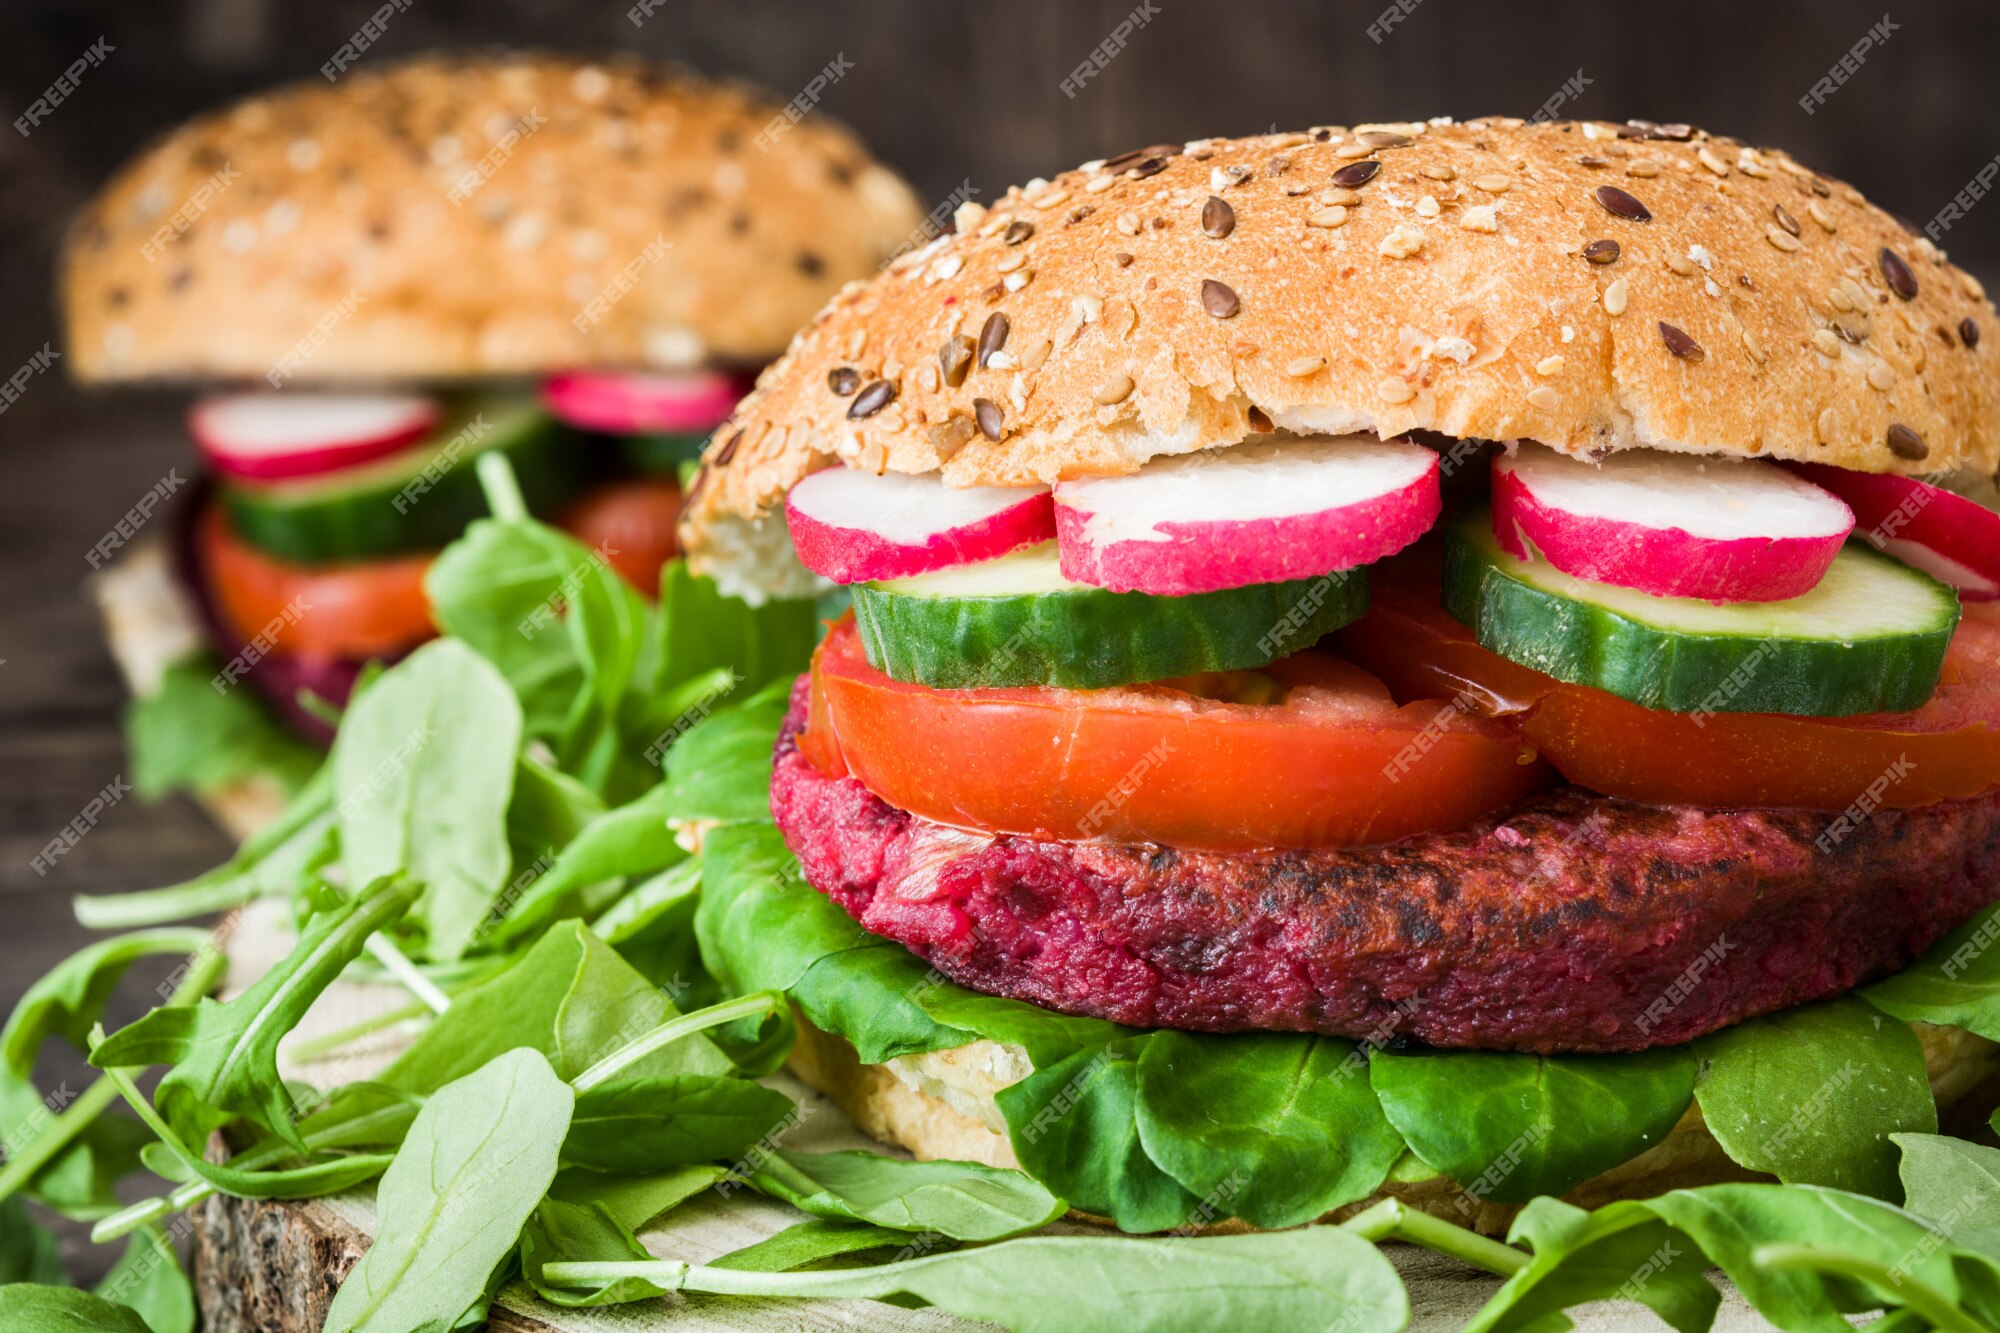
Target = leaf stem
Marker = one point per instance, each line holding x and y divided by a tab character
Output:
399	966
503	491
153	907
1933	1305
1392	1220
57	1135
671	1031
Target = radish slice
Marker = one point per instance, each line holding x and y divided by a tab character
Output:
1674	525
267	436
856	527
1950	538
1251	513
620	404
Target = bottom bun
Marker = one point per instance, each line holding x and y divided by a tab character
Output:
151	622
940	1105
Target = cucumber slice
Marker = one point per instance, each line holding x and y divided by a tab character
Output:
417	500
1017	621
1869	638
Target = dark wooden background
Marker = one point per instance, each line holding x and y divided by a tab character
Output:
944	90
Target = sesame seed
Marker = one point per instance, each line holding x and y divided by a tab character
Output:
1855	292
1401	243
1782	239
1614	297
1015	281
1480	217
1752	346
1218	299
1116	390
1494	183
1327	217
1549	365
1881	377
1001	361
1049	199
1332	195
1711	161
1395	391
1438	172
1827	343
1827	425
1427	207
1008	263
1543	397
1351	150
1642	167
1840	300
948	266
1680	264
1098	184
1601	252
1305	365
992	421
1906	443
1128	223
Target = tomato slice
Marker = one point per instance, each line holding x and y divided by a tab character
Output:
632	523
1948	748
352	610
1200	763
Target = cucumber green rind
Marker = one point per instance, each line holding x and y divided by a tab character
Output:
354	515
1089	638
1763	667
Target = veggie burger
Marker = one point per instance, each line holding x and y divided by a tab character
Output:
1407	596
576	264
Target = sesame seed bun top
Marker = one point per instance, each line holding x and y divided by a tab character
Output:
479	214
1590	286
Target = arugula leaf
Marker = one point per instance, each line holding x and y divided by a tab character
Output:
225	1056
720	770
962	1200
624	841
652	928
148	1280
1074	1125
185	736
648	1123
1275	1128
480	1156
424	767
1956	984
41	1309
81	1182
1509	1126
1955	1186
71	997
28	1250
633	1201
1812	1094
706	629
818	1239
483	588
1274	1282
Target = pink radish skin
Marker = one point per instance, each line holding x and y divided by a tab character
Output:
855	527
272	436
1249	513
636	404
1949	537
1674	525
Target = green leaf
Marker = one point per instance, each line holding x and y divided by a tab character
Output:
1275	1283
1507	1126
483	588
625	841
1955	1186
480	1156
26	1308
579	1231
706	629
81	1182
28	1250
822	1238
962	1200
148	1280
648	1123
424	769
652	927
720	770
1074	1126
1956	984
633	1201
1275	1128
762	927
1812	1094
187	736
225	1056
71	997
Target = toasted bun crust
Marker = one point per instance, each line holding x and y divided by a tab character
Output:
941	1106
476	205
1449	292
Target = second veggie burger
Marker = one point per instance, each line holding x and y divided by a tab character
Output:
1451	591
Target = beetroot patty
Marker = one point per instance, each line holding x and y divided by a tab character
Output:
1575	923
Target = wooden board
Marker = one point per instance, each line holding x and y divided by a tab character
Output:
273	1267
